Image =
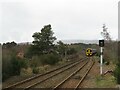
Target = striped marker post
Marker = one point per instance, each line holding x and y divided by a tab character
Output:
101	44
101	60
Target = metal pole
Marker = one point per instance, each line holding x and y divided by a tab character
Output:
101	60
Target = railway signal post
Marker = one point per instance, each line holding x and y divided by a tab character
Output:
101	44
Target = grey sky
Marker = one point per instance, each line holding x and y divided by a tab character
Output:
70	19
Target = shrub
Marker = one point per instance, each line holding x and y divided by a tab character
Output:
71	51
12	66
117	73
49	59
26	72
35	62
17	64
35	70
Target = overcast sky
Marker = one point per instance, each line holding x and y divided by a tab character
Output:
70	19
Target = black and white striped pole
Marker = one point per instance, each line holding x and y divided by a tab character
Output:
101	44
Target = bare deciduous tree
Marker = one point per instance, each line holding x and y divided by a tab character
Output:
105	33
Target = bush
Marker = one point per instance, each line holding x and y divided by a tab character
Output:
117	73
35	62
26	72
17	64
49	59
35	70
103	60
29	52
5	76
12	66
71	51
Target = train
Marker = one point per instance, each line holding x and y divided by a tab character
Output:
90	52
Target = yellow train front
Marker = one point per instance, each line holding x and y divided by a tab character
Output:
90	52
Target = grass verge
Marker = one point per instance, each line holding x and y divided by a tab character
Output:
107	81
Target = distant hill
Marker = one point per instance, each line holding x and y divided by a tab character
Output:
69	42
80	41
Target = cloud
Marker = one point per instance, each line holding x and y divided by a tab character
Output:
70	19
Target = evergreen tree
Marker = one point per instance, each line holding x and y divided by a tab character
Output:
43	41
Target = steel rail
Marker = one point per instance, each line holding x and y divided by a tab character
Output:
39	75
83	78
34	84
69	76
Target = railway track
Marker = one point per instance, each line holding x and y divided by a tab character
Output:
70	82
53	81
30	82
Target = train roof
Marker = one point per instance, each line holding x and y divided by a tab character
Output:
90	49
